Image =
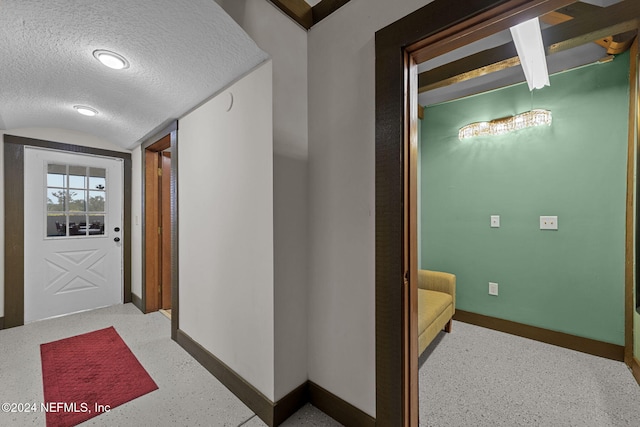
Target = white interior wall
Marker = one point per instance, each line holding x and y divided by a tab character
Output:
225	192
341	52
2	222
286	43
47	134
136	222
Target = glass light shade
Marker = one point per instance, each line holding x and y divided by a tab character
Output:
111	59
85	111
507	124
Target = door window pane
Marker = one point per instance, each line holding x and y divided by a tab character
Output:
56	225
55	199
96	201
77	201
97	178
96	225
56	175
77	225
77	177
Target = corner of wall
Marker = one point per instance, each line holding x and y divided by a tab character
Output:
2	225
286	43
290	273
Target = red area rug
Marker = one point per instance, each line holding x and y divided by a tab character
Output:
89	374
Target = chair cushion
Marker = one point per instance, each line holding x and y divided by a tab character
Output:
430	305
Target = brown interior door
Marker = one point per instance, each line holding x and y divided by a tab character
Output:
165	210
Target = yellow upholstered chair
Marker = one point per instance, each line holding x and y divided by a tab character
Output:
436	305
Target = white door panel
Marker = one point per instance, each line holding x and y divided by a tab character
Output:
73	207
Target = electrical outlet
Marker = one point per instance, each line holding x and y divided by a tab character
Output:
548	223
493	288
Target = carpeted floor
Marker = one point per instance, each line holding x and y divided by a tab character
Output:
479	377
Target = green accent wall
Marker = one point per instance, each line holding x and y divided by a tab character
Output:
570	280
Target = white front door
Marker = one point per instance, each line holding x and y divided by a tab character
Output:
72	232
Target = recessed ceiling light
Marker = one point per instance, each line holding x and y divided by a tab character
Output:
85	111
111	59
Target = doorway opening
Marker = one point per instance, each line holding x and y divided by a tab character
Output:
428	33
159	161
157	220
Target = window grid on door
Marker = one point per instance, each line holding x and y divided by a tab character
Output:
75	201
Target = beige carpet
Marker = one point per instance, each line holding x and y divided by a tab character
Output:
479	377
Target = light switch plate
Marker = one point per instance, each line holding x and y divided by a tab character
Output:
493	288
548	223
495	221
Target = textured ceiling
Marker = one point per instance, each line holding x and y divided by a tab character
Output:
181	52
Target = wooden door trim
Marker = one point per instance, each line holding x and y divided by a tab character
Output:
410	249
172	131
428	32
151	234
631	241
165	195
14	219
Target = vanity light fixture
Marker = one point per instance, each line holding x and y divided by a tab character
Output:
111	59
506	124
86	111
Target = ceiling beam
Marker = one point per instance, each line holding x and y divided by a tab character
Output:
586	27
305	15
578	9
555	18
298	10
616	19
619	43
326	8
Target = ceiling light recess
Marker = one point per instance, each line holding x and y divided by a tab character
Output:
506	124
111	59
86	111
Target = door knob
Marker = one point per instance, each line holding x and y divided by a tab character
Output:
117	239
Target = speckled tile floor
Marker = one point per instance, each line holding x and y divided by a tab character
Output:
188	395
479	377
472	377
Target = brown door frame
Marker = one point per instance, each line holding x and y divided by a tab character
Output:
167	138
632	233
164	158
154	235
431	31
